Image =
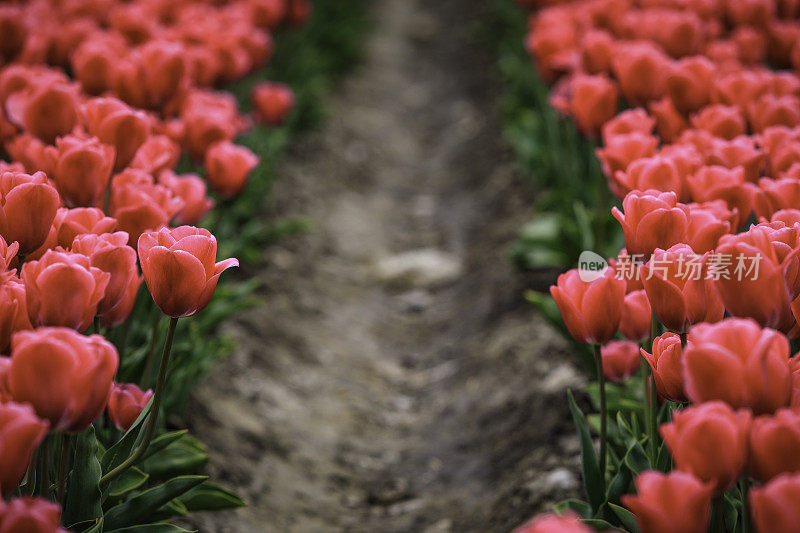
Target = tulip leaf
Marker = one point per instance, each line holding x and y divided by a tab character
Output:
162	441
626	517
579	507
664	459
592	478
141	507
636	458
210	497
620	484
83	502
183	456
169	510
131	479
160	527
600	525
122	449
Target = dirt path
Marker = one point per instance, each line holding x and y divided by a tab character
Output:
414	393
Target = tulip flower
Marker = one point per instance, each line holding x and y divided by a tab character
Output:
688	83
28	150
636	316
669	121
110	253
157	154
81	168
139	204
30	515
721	121
13	309
115	123
708	222
591	309
164	70
120	312
641	69
740	363
28	205
179	268
63	289
227	167
621	150
272	102
267	13
738	87
653	173
597	49
552	523
69	223
21	432
190	188
776	505
679	290
740	151
67	377
126	404
652	219
709	441
94	59
209	117
620	359
634	120
666	362
772	441
771	110
594	101
775	195
45	108
720	183
676	502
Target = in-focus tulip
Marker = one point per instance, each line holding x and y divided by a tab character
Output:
30	515
740	363
110	253
28	205
192	189
553	523
66	376
126	403
676	502
179	268
636	316
272	102
63	289
710	441
227	167
620	359
591	309
679	290
776	505
773	441
21	432
652	219
666	362
81	168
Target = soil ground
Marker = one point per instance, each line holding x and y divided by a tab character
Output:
409	394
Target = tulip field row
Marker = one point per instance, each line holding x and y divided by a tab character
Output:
123	161
678	159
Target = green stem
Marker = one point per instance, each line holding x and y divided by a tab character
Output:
122	345
683	339
603	411
147	375
652	397
30	479
96	324
717	515
63	467
746	519
44	474
153	418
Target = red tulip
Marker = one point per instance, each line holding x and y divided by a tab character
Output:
666	362
708	222
120	313
652	173
776	505
227	167
209	117
69	223
597	49
688	83
676	502
669	121
719	183
157	154
773	441
164	70
66	376
110	253
93	61
771	110
13	309
594	102
652	219
783	157
680	292
634	120
710	441
81	168
774	195
640	68
740	363
636	316
46	108
190	188
739	151
21	432
63	289
621	150
126	403
267	13
139	204
179	268
114	123
620	359
28	206
30	151
30	515
272	102
552	523
591	309
721	121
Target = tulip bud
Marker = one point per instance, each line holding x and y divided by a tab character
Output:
771	110
209	117
710	441
28	206
66	376
227	167
552	523
776	505
272	102
775	195
63	289
21	432
126	403
669	122
740	151
651	220
30	515
676	502
620	359
179	268
591	309
666	362
81	168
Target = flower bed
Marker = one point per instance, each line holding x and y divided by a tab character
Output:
693	322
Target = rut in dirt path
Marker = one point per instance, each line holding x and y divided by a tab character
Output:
365	396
